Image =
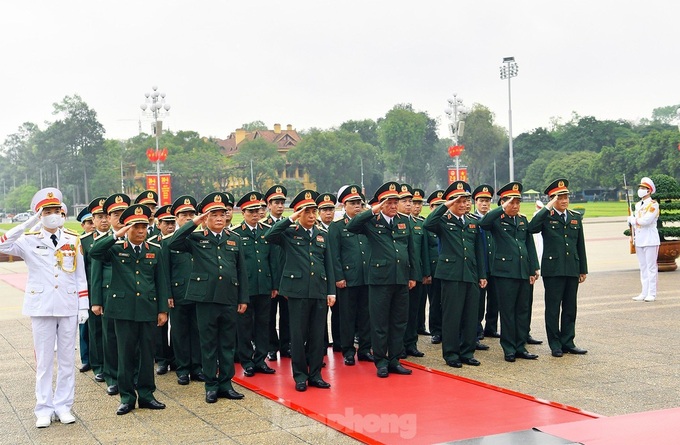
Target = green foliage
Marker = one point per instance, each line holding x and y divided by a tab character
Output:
484	142
266	161
254	125
19	199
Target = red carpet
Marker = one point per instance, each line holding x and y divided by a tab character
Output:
426	407
17	280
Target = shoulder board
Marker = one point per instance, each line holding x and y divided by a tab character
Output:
154	244
419	218
403	214
71	232
264	220
86	235
522	215
264	223
572	212
472	216
168	235
322	229
654	201
120	241
32	233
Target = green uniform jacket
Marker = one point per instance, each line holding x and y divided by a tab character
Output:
179	267
350	253
258	259
432	250
219	273
99	275
392	250
462	249
564	249
307	270
86	242
422	262
139	287
514	250
278	257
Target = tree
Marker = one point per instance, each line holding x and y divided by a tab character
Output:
254	125
576	167
19	199
665	115
266	163
367	129
528	146
484	142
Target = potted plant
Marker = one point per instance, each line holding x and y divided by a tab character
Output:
668	196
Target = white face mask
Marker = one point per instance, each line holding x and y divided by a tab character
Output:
642	193
53	221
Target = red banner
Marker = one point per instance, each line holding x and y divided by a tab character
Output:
165	195
453	177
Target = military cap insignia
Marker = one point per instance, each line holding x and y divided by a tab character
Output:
440	194
404	188
460	186
308	195
118	199
515	187
149	195
354	190
278	190
218	198
187	201
101	202
416	193
253	197
50	195
139	211
560	184
485	189
326	198
393	187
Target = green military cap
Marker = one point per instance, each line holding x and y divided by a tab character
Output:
557	187
418	195
97	205
386	191
373	201
136	213
214	201
483	191
147	197
405	191
184	203
276	191
436	197
84	215
251	200
119	201
164	213
230	199
350	193
326	200
304	199
510	190
456	189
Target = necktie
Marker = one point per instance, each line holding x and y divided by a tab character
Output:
54	239
462	220
138	250
219	237
254	233
310	233
565	217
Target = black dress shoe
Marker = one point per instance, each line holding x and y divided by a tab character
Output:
423	332
301	386
264	369
151	404
112	390
230	394
319	383
211	396
200	377
454	363
526	355
574	350
124	408
337	348
162	369
557	353
249	371
271	356
349	361
286	353
510	358
532	341
365	357
492	334
183	379
481	347
436	339
415	352
470	361
86	367
382	372
402	355
399	369
98	378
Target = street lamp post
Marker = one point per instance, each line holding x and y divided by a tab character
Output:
508	71
157	108
456	113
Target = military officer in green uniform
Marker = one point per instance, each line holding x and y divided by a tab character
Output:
563	266
392	273
422	272
434	289
101	275
461	271
350	253
308	282
514	267
279	340
184	332
166	224
326	208
137	303
219	285
85	220
488	298
150	199
253	325
416	208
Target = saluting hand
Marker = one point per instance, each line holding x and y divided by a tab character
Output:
551	205
200	219
451	202
296	215
378	207
121	232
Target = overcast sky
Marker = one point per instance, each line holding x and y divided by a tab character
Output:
319	63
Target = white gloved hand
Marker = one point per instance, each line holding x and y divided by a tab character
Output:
83	315
33	220
631	220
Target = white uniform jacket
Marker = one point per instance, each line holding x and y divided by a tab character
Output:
56	285
644	223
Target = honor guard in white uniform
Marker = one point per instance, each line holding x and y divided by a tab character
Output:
55	299
643	224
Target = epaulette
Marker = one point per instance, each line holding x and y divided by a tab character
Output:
154	244
403	214
521	214
473	216
71	232
264	223
32	233
120	241
419	218
322	229
168	235
86	235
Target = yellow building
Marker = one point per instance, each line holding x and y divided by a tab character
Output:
284	140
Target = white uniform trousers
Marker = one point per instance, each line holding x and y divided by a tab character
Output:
45	331
649	271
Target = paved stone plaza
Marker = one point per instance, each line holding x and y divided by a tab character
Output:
631	366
